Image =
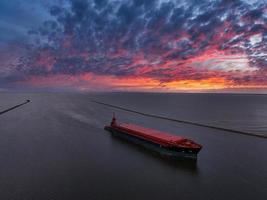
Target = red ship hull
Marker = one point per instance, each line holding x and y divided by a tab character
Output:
165	144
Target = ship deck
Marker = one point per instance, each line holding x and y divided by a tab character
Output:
152	133
159	137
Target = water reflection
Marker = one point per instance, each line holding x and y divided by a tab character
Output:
184	165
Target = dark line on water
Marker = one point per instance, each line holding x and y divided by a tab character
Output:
14	107
181	121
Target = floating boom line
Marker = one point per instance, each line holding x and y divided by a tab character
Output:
14	107
180	121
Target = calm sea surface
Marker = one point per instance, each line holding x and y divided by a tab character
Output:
234	111
55	148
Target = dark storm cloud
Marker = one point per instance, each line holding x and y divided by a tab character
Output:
127	37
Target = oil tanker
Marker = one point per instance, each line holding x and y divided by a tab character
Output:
167	145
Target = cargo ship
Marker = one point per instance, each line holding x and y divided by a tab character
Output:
165	144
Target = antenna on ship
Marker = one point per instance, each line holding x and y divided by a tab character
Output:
113	122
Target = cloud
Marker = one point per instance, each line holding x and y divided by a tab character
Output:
167	41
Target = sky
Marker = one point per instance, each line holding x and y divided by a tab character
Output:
134	45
